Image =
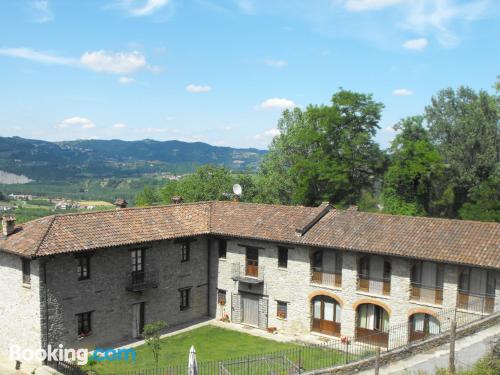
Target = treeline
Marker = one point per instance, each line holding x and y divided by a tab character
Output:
442	163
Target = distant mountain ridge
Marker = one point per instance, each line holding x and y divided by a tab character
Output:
43	160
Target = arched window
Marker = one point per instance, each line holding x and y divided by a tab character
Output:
326	314
372	324
422	326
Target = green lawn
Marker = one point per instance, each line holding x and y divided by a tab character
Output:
215	344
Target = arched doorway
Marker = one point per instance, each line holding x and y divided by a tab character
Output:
372	324
325	315
422	326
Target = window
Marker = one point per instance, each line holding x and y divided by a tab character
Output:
184	298
373	317
185	248
222	249
83	267
84	325
281	311
26	271
221	297
282	257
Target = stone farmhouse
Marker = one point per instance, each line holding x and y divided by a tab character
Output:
94	279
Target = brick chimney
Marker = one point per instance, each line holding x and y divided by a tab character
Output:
177	199
8	225
121	203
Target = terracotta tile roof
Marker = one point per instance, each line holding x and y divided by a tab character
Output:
454	241
260	221
93	230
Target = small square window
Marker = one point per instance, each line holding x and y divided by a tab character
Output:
222	249
26	271
184	298
221	297
281	311
185	250
282	257
84	323
83	267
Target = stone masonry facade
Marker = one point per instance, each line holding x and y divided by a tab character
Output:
45	311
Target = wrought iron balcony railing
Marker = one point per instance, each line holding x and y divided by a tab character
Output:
138	281
248	272
376	285
426	293
475	302
318	276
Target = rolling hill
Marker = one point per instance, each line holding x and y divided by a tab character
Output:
53	161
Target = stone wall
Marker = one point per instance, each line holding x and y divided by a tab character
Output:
20	305
293	285
106	296
410	350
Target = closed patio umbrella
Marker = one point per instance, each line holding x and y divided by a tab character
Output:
192	364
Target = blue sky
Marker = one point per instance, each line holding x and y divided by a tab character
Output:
221	71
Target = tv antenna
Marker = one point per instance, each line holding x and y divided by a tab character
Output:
237	190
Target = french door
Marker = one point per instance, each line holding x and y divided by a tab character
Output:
138	314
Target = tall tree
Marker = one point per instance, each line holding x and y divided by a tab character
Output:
464	125
325	153
207	183
415	168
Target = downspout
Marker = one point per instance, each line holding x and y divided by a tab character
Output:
209	258
46	309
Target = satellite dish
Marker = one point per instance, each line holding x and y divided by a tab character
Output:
237	189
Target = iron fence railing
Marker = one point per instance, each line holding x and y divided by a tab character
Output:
336	352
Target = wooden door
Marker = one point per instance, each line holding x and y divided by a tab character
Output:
252	262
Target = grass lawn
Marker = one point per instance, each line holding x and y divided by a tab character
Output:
215	344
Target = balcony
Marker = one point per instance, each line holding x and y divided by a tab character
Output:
139	281
475	302
374	285
249	273
318	276
426	294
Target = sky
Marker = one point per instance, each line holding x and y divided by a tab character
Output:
222	71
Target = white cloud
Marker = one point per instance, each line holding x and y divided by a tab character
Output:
149	8
366	5
76	122
268	134
416	44
30	54
41	11
438	16
119	125
198	88
402	92
118	62
277	63
98	61
279	103
246	6
390	129
124	80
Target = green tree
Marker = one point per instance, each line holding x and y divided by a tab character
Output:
415	167
152	333
207	183
325	153
464	125
147	197
484	204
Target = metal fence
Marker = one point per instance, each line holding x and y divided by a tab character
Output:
336	352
